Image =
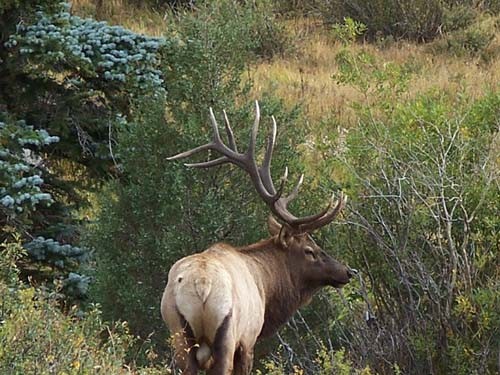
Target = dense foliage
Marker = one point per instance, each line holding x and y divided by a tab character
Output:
36	337
89	113
71	80
420	20
422	226
149	211
432	218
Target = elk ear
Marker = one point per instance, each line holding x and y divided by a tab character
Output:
273	225
277	229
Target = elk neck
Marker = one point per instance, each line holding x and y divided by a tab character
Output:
283	289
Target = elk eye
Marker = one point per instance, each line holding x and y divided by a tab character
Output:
310	252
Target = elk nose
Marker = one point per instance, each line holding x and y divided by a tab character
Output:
351	272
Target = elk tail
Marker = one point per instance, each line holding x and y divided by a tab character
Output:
203	356
203	286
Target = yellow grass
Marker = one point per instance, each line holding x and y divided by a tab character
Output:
306	76
139	19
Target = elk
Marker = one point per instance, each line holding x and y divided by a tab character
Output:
218	303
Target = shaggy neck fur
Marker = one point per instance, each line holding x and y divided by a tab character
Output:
281	288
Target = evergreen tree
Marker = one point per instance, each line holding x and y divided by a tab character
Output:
65	87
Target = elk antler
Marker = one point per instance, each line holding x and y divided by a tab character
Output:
261	176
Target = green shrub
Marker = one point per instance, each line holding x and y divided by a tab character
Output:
325	362
419	20
270	34
473	40
291	8
349	31
423	227
458	17
251	29
36	337
489	6
295	7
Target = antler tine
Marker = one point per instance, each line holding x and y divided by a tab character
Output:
255	130
230	134
297	221
282	185
306	219
195	150
295	191
215	127
210	163
265	169
328	216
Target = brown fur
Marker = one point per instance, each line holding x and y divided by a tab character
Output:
253	291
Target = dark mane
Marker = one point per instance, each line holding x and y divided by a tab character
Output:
284	293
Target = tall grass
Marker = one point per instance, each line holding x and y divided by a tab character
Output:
306	77
142	19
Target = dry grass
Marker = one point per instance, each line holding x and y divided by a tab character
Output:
306	77
139	19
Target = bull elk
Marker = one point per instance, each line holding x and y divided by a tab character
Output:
218	303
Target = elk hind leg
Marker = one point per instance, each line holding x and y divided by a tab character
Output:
223	349
243	361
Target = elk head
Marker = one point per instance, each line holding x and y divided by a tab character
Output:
312	265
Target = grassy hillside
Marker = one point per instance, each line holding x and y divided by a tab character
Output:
306	74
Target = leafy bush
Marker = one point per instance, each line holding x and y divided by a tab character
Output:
268	31
325	362
254	25
35	337
489	6
419	20
370	76
458	17
473	40
422	225
295	7
349	31
204	65
429	216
